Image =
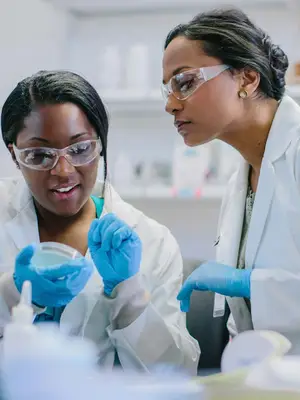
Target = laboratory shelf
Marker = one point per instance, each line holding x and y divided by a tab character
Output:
209	192
92	7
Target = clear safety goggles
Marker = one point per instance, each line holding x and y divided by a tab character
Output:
46	158
186	83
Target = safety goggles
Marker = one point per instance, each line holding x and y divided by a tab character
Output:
46	158
183	85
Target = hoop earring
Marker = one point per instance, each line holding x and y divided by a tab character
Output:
243	94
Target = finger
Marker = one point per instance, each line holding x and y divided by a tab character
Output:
91	233
100	227
25	255
79	262
74	282
185	304
57	271
186	289
108	233
122	234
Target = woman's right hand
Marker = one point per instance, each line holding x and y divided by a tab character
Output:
53	286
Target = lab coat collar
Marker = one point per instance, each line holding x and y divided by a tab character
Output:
285	123
23	226
232	218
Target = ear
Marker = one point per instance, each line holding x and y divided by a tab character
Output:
249	81
13	156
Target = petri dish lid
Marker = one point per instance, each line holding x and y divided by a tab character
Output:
59	248
50	253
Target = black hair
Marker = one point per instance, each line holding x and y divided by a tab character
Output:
53	87
230	36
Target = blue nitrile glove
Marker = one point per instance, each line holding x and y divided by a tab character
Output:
115	249
218	278
53	286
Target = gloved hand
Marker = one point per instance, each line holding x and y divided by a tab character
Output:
218	278
115	249
53	286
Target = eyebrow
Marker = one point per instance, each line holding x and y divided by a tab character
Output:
177	71
47	141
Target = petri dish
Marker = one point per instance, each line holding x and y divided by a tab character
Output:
52	253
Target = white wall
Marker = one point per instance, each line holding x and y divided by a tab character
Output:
33	36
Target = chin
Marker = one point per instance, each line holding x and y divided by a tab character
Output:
66	210
193	142
196	139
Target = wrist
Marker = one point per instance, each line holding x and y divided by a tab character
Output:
245	282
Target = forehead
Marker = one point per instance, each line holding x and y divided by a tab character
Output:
55	123
184	53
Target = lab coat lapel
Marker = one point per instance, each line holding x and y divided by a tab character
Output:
232	220
280	136
264	196
23	228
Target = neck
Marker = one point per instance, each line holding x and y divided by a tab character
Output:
249	137
55	224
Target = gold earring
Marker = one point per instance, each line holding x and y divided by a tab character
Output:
243	94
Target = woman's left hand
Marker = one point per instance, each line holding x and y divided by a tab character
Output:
218	278
115	249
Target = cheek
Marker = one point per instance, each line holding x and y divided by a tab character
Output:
89	174
35	180
215	103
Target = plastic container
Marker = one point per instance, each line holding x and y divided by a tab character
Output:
52	253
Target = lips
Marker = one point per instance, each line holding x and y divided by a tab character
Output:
180	124
65	192
182	127
64	188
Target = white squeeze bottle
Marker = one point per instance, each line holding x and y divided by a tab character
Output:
20	331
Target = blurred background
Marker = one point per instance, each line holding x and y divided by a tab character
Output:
117	45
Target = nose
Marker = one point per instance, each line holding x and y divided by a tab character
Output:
63	168
173	105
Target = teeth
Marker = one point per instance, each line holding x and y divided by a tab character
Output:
63	190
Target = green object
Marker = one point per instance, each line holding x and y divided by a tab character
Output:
99	203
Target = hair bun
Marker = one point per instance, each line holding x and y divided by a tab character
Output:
278	61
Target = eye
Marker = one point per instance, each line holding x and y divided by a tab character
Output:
80	148
36	157
187	82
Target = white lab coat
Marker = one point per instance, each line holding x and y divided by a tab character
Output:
273	246
143	329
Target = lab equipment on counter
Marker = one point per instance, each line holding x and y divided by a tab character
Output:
191	167
278	373
40	362
244	354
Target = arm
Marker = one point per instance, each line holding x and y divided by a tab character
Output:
278	290
147	328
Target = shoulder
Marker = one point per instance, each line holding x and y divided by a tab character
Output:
13	195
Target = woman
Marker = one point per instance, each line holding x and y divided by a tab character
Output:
55	126
225	79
